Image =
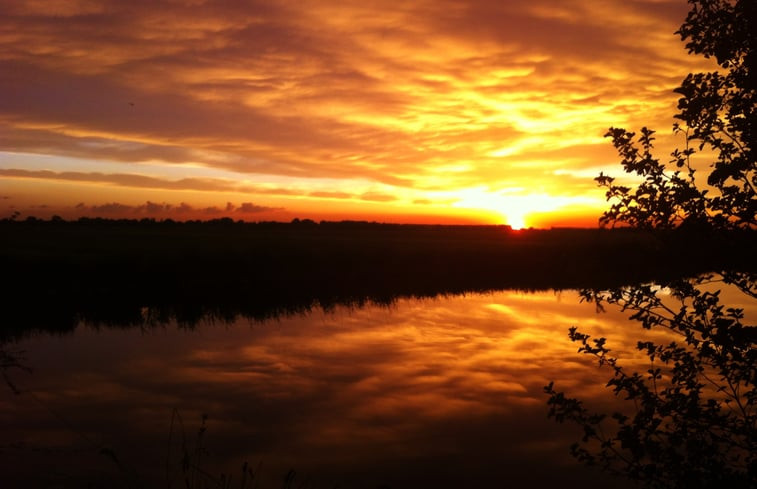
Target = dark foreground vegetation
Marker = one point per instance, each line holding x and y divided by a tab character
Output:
130	272
690	417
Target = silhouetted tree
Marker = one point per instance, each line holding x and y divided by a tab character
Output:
691	419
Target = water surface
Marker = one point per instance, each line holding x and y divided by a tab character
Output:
444	392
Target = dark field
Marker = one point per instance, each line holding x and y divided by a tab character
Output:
140	272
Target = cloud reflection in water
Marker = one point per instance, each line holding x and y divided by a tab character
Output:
436	392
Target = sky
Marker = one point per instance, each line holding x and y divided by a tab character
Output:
438	111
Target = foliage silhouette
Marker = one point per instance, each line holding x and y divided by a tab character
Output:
718	116
691	419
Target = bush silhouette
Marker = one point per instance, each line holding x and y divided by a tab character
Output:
691	418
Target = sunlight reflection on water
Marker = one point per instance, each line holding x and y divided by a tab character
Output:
432	392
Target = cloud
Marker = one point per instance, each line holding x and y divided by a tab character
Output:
377	197
250	208
110	208
152	207
331	195
182	210
418	96
143	181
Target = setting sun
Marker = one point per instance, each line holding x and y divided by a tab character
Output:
515	221
515	207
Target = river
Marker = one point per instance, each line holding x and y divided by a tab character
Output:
435	392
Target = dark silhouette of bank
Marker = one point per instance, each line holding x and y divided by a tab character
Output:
138	273
691	418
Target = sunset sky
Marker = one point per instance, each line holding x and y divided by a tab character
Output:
432	111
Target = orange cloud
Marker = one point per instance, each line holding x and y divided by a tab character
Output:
412	99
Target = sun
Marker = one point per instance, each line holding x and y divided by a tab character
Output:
516	221
517	207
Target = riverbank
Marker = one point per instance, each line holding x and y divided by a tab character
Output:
132	272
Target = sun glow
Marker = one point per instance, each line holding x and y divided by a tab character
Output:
516	208
516	221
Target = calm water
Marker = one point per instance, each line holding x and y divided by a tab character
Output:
444	392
